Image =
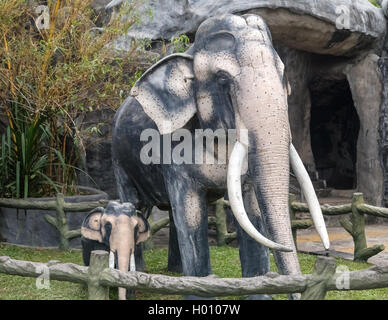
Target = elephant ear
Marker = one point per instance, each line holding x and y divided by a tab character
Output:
166	93
91	226
143	230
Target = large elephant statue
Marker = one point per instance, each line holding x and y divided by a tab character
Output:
118	229
230	79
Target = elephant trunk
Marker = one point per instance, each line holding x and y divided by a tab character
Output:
264	113
124	246
235	169
123	256
123	266
270	171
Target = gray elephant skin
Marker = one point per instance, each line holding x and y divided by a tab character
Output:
231	78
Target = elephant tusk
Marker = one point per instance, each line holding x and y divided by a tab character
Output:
235	198
112	4
111	260
309	193
132	264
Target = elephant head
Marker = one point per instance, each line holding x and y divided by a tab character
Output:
232	78
120	229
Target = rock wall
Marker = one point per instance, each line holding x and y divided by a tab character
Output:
366	85
383	128
170	18
97	161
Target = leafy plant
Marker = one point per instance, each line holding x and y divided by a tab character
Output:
375	3
181	43
23	156
49	78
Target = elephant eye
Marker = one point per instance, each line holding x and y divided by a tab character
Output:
222	77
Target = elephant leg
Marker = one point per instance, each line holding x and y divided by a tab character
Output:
174	256
139	258
125	189
88	246
254	256
189	212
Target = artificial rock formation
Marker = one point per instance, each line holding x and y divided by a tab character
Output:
365	82
304	24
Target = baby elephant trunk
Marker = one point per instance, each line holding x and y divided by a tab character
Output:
124	245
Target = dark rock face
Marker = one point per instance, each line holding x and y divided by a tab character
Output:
334	113
29	227
334	131
383	132
365	83
97	160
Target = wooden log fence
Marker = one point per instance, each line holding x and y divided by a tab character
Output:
61	207
219	221
353	223
99	278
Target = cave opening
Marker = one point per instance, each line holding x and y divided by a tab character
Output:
334	128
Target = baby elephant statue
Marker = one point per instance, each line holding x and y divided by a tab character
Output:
118	228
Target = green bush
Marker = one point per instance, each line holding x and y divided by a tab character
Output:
375	3
23	156
49	78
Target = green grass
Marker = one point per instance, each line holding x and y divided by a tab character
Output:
225	263
374	2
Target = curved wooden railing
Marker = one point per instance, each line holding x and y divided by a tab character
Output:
354	222
99	278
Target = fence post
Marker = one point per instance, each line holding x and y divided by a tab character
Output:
223	236
99	260
155	226
324	269
60	222
355	226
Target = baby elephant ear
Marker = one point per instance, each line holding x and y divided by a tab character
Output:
166	94
91	226
143	229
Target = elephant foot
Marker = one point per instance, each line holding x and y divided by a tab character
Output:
259	297
174	256
192	297
176	268
139	259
